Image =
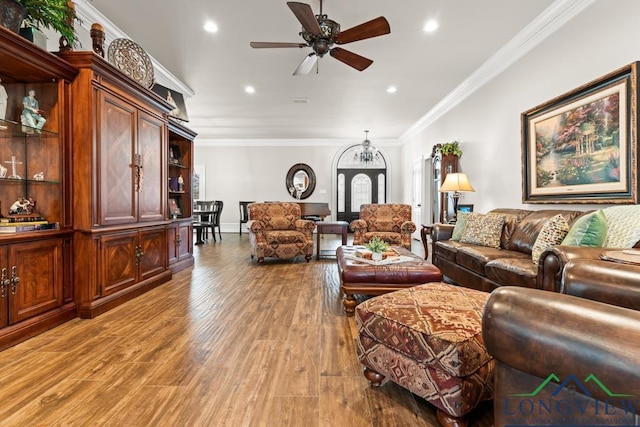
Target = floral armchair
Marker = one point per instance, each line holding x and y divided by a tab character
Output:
276	230
390	222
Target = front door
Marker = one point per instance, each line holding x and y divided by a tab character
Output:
357	187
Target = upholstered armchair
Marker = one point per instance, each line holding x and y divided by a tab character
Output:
390	222
276	230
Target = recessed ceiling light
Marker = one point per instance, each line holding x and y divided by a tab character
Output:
250	89
392	89
430	26
211	27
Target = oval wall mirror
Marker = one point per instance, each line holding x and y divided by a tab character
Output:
301	181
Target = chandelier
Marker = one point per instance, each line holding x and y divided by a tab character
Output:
366	153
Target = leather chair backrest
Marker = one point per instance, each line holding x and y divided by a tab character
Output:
511	219
527	230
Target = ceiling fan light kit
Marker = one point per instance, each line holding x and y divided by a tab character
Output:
321	33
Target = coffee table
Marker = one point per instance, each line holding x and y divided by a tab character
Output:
359	278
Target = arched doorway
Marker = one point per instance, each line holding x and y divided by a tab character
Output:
359	183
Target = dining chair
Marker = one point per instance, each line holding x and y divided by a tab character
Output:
244	213
206	208
215	218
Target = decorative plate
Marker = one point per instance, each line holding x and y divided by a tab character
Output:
132	60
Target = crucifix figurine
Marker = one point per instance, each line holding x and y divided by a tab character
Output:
14	174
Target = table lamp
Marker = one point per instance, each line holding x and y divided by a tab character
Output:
456	183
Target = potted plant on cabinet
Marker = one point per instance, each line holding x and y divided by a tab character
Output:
450	148
57	15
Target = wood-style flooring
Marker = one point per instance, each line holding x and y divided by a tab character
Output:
226	343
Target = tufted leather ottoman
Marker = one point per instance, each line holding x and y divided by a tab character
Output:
428	339
366	279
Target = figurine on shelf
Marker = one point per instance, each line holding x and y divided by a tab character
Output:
3	104
3	172
39	176
22	206
31	113
180	183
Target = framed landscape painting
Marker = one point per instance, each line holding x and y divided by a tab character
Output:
581	147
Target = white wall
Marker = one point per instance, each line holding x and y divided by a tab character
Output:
257	171
602	38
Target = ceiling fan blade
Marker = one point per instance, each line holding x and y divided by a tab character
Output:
306	17
354	60
306	65
374	28
260	45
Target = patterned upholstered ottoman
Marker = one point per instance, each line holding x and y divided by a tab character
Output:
428	340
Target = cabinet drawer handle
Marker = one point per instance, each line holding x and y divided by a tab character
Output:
14	280
4	283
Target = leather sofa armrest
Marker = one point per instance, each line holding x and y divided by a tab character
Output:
407	227
441	232
540	333
604	281
553	260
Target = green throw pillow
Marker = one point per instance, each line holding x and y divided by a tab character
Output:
461	223
588	230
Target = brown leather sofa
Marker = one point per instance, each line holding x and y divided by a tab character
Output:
485	268
586	343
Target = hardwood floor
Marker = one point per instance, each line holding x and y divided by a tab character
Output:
227	343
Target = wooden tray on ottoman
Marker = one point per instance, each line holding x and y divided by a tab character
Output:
366	279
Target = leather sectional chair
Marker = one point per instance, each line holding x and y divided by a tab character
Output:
390	222
568	359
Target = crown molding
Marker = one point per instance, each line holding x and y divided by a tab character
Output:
88	14
215	142
545	24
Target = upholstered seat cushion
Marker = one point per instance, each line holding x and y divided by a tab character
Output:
280	237
513	271
437	324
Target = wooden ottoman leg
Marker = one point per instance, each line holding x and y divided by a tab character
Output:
349	303
374	378
447	420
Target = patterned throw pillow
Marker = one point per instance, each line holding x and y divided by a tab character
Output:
552	233
623	226
588	230
461	224
483	230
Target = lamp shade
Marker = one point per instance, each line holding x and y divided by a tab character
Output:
456	182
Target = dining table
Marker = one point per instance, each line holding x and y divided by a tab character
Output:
199	225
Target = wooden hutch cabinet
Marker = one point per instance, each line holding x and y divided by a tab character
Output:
180	167
441	166
36	282
120	147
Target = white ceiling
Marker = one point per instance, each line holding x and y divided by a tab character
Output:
343	102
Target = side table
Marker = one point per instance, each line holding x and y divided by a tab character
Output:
330	227
424	233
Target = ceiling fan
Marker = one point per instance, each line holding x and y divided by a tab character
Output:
321	33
